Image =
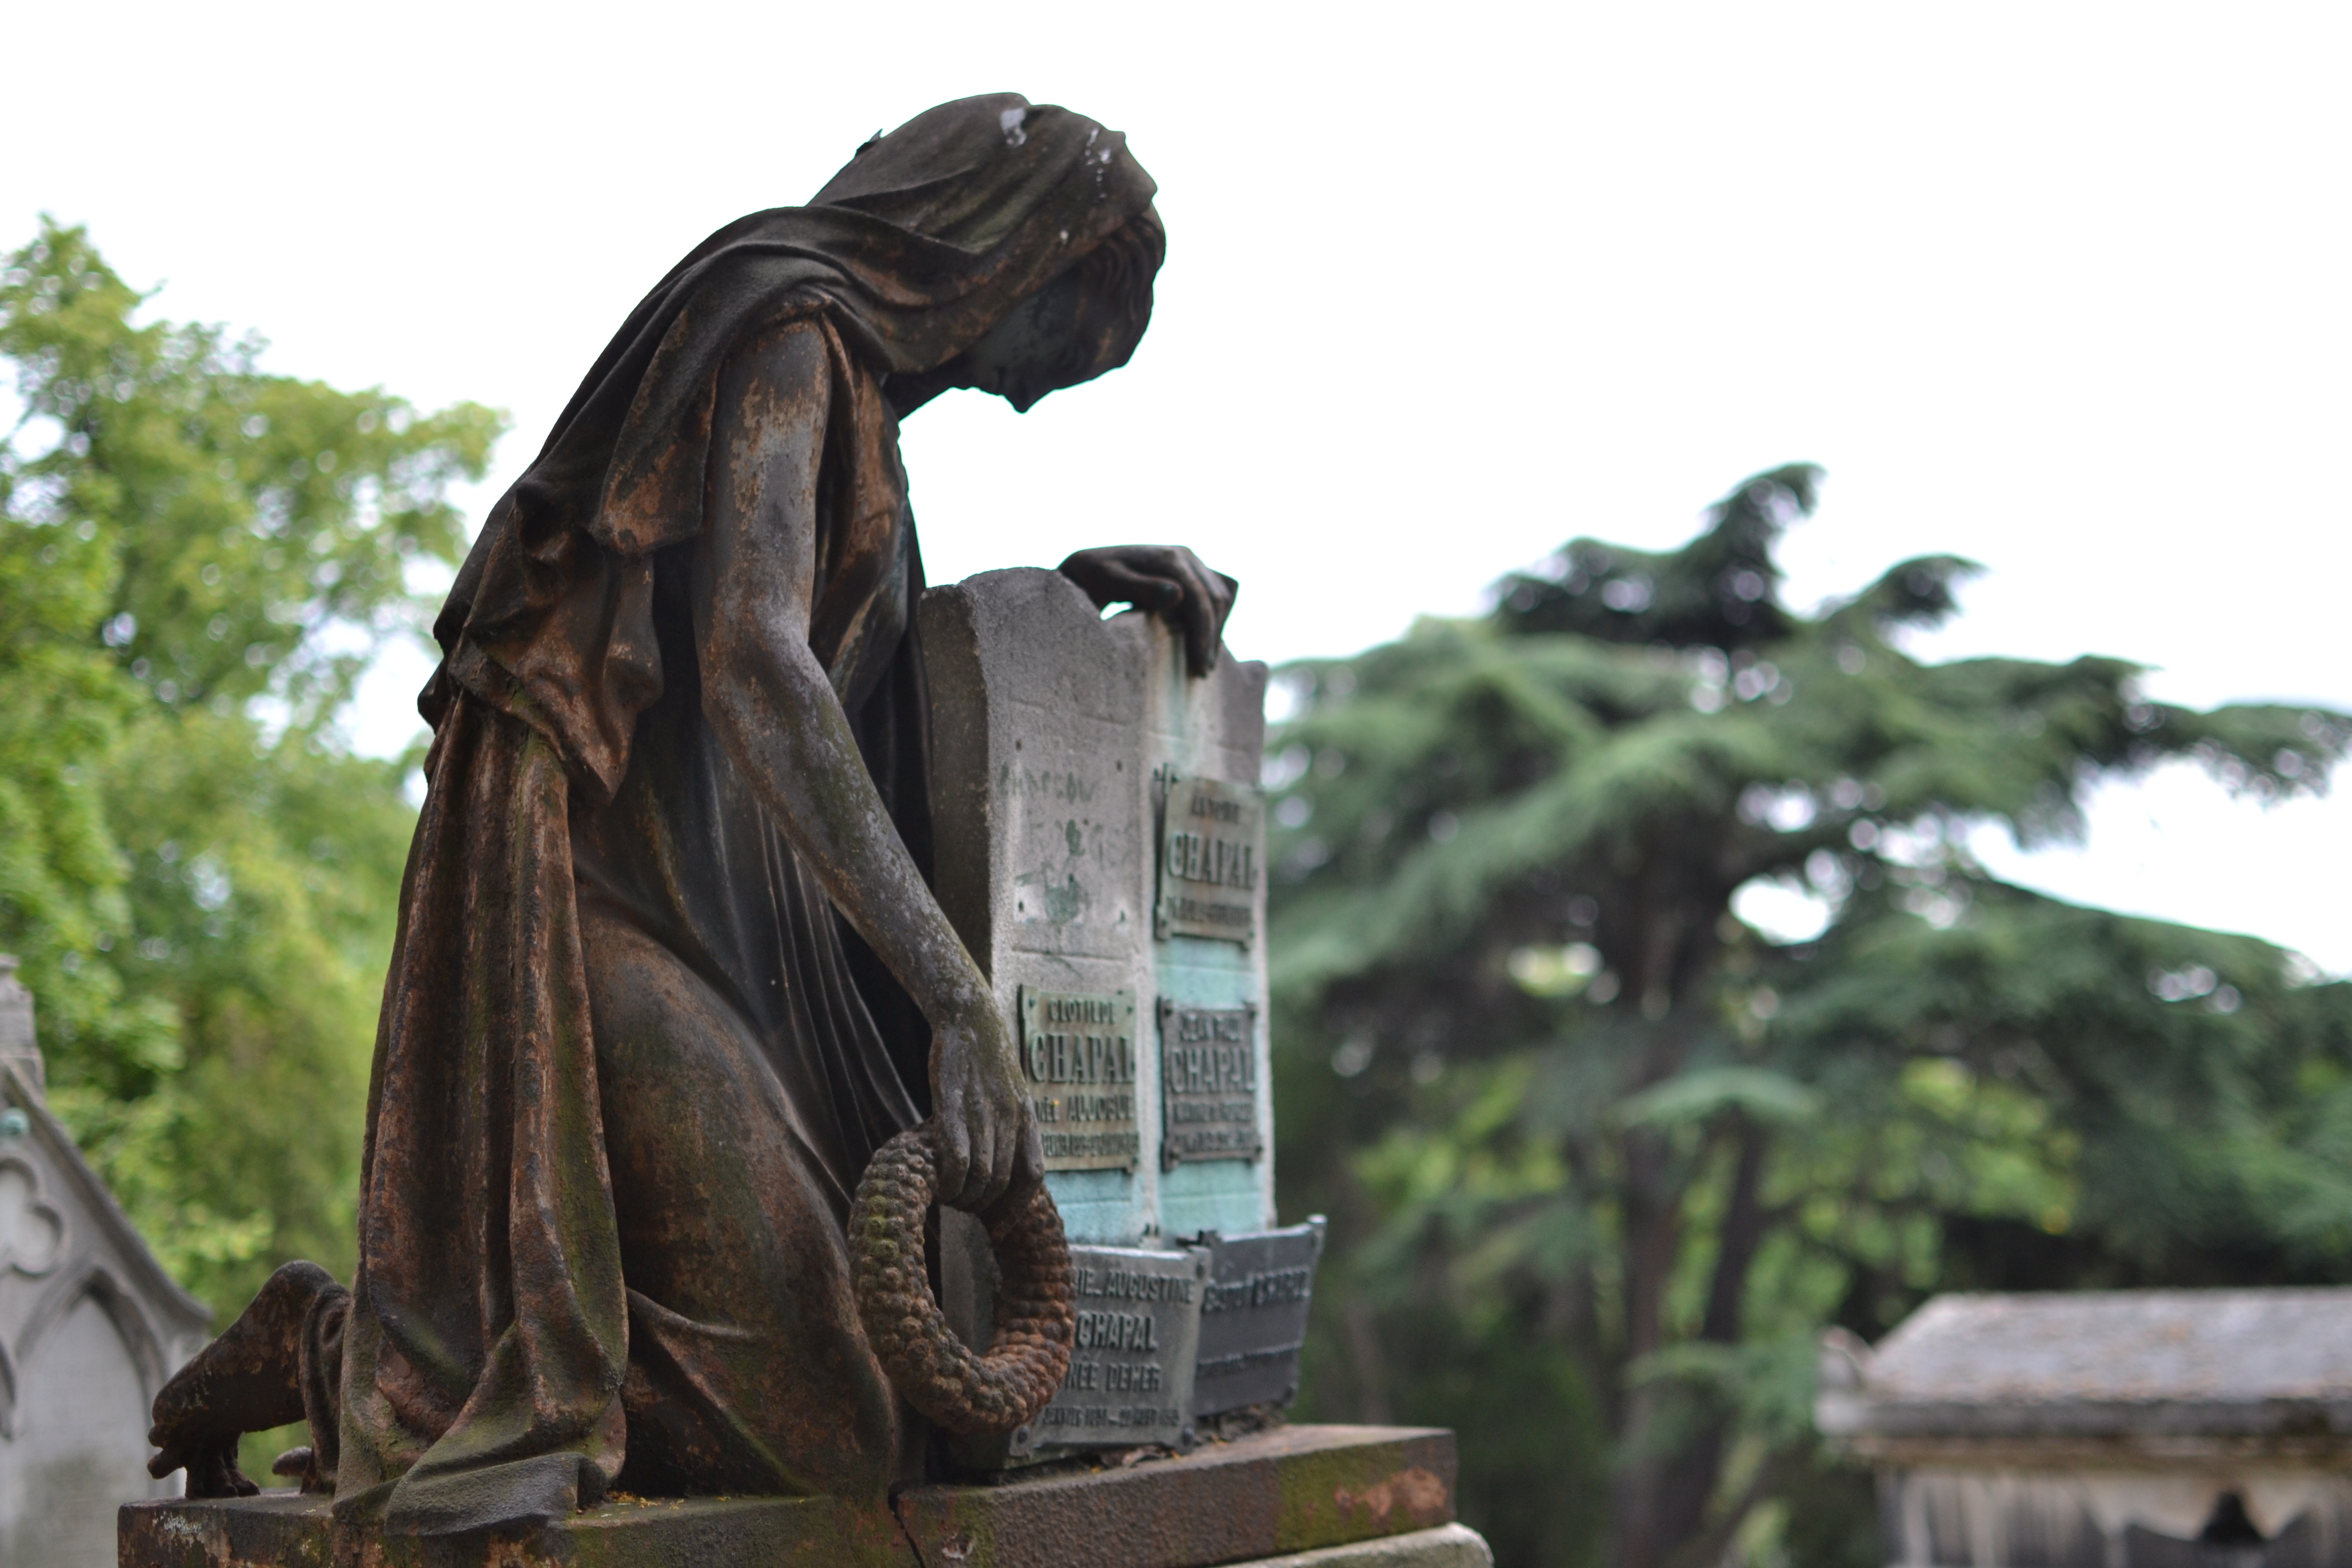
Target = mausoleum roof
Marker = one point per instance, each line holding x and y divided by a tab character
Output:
2101	1364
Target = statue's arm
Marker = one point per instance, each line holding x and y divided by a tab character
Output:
776	711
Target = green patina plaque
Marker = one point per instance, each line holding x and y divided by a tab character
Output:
1078	1067
1212	852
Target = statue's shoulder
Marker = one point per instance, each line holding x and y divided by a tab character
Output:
802	335
805	350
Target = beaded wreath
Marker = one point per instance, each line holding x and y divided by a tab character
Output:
939	1375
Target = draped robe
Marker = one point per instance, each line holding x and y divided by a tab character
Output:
631	1062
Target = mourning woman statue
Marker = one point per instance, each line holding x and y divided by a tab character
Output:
669	968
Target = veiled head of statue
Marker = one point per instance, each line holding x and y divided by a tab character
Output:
989	221
1055	237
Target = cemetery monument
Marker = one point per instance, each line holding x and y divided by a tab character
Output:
2105	1430
89	1326
820	1104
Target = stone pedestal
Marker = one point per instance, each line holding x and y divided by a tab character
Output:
1303	1497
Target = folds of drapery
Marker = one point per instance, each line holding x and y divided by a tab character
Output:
487	1336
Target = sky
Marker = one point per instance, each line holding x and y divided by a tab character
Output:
2057	286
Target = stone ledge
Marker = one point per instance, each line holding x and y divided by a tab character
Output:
1447	1546
1276	1495
286	1530
1282	1491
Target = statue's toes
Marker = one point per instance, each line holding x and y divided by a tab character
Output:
300	1466
212	1468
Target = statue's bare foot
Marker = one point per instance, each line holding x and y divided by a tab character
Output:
301	1466
248	1380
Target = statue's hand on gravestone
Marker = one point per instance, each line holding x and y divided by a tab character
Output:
1166	579
988	1138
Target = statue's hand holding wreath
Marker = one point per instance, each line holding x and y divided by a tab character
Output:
980	1152
961	1389
985	1140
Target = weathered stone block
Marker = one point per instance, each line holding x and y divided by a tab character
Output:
286	1530
1447	1546
1304	1497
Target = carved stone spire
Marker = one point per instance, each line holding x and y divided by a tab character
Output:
18	1045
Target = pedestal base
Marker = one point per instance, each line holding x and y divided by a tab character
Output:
1303	1497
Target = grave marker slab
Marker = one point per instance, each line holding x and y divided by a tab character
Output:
1212	844
1209	1093
1078	1053
1253	1317
1130	1378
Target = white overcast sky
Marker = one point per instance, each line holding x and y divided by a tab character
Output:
2062	287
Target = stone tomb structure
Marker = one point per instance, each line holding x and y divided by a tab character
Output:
2123	1429
89	1328
1102	840
1101	845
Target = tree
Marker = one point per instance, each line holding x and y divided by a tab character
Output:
1587	1136
196	559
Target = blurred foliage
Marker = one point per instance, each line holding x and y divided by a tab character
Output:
196	560
1603	1161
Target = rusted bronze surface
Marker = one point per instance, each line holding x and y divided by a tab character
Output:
248	1380
963	1390
1299	1488
668	969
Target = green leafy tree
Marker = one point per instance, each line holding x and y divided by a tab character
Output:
196	559
1603	1161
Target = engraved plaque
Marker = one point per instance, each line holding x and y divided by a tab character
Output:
1078	1067
1253	1317
1209	1086
1130	1379
1212	846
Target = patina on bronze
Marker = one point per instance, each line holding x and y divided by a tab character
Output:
668	970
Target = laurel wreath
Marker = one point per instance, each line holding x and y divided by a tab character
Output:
939	1376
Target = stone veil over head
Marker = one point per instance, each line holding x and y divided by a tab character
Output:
927	239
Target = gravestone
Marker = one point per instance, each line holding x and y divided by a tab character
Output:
1101	837
1064	748
89	1328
